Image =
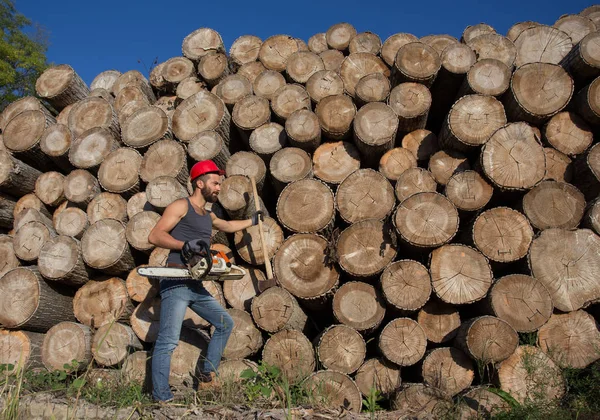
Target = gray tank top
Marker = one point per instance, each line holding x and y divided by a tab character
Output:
191	226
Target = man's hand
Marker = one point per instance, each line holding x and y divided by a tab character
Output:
195	247
256	215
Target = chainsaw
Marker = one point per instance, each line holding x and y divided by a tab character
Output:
219	269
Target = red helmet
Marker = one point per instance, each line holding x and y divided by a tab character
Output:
204	167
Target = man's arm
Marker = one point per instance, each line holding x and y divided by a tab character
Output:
160	236
230	226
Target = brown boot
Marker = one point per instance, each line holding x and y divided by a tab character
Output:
208	381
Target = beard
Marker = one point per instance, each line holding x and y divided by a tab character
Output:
209	196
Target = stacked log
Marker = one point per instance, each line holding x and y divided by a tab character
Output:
432	197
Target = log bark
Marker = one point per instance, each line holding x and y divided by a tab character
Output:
587	105
91	148
303	130
201	111
55	143
249	114
245	50
318	43
239	294
359	306
439	320
375	128
537	92
138	229
301	195
365	42
28	302
335	389
519	171
7	208
301	267
445	163
232	89
338	36
60	261
7	255
81	187
559	167
276	50
61	86
552	204
492	45
502	234
571	340
591	219
449	370
487	77
119	172
162	191
365	194
93	112
582	61
468	191
459	274
422	143
568	133
67	342
105	248
21	349
105	80
292	353
341	348
49	188
356	66
411	103
334	161
248	241
30	238
247	164
209	145
23	134
413	181
164	158
245	339
112	343
101	303
543	44
289	98
324	83
378	374
336	114
390	47
530	375
522	301
276	309
267	83
301	65
145	127
487	339
406	285
107	206
415	62
472	120
288	165
426	220
566	261
374	87
403	342
369	256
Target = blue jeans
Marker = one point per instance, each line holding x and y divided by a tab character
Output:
174	302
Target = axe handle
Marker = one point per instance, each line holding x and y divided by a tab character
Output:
260	229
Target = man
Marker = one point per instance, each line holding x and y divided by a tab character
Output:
184	225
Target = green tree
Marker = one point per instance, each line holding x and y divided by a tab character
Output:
22	56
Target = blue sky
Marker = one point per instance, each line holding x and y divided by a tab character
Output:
110	34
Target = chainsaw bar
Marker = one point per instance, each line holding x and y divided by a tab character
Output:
234	273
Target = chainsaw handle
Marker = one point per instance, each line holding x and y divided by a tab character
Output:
260	229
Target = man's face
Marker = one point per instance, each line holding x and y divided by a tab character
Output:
210	187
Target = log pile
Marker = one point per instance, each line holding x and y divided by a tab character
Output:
428	200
